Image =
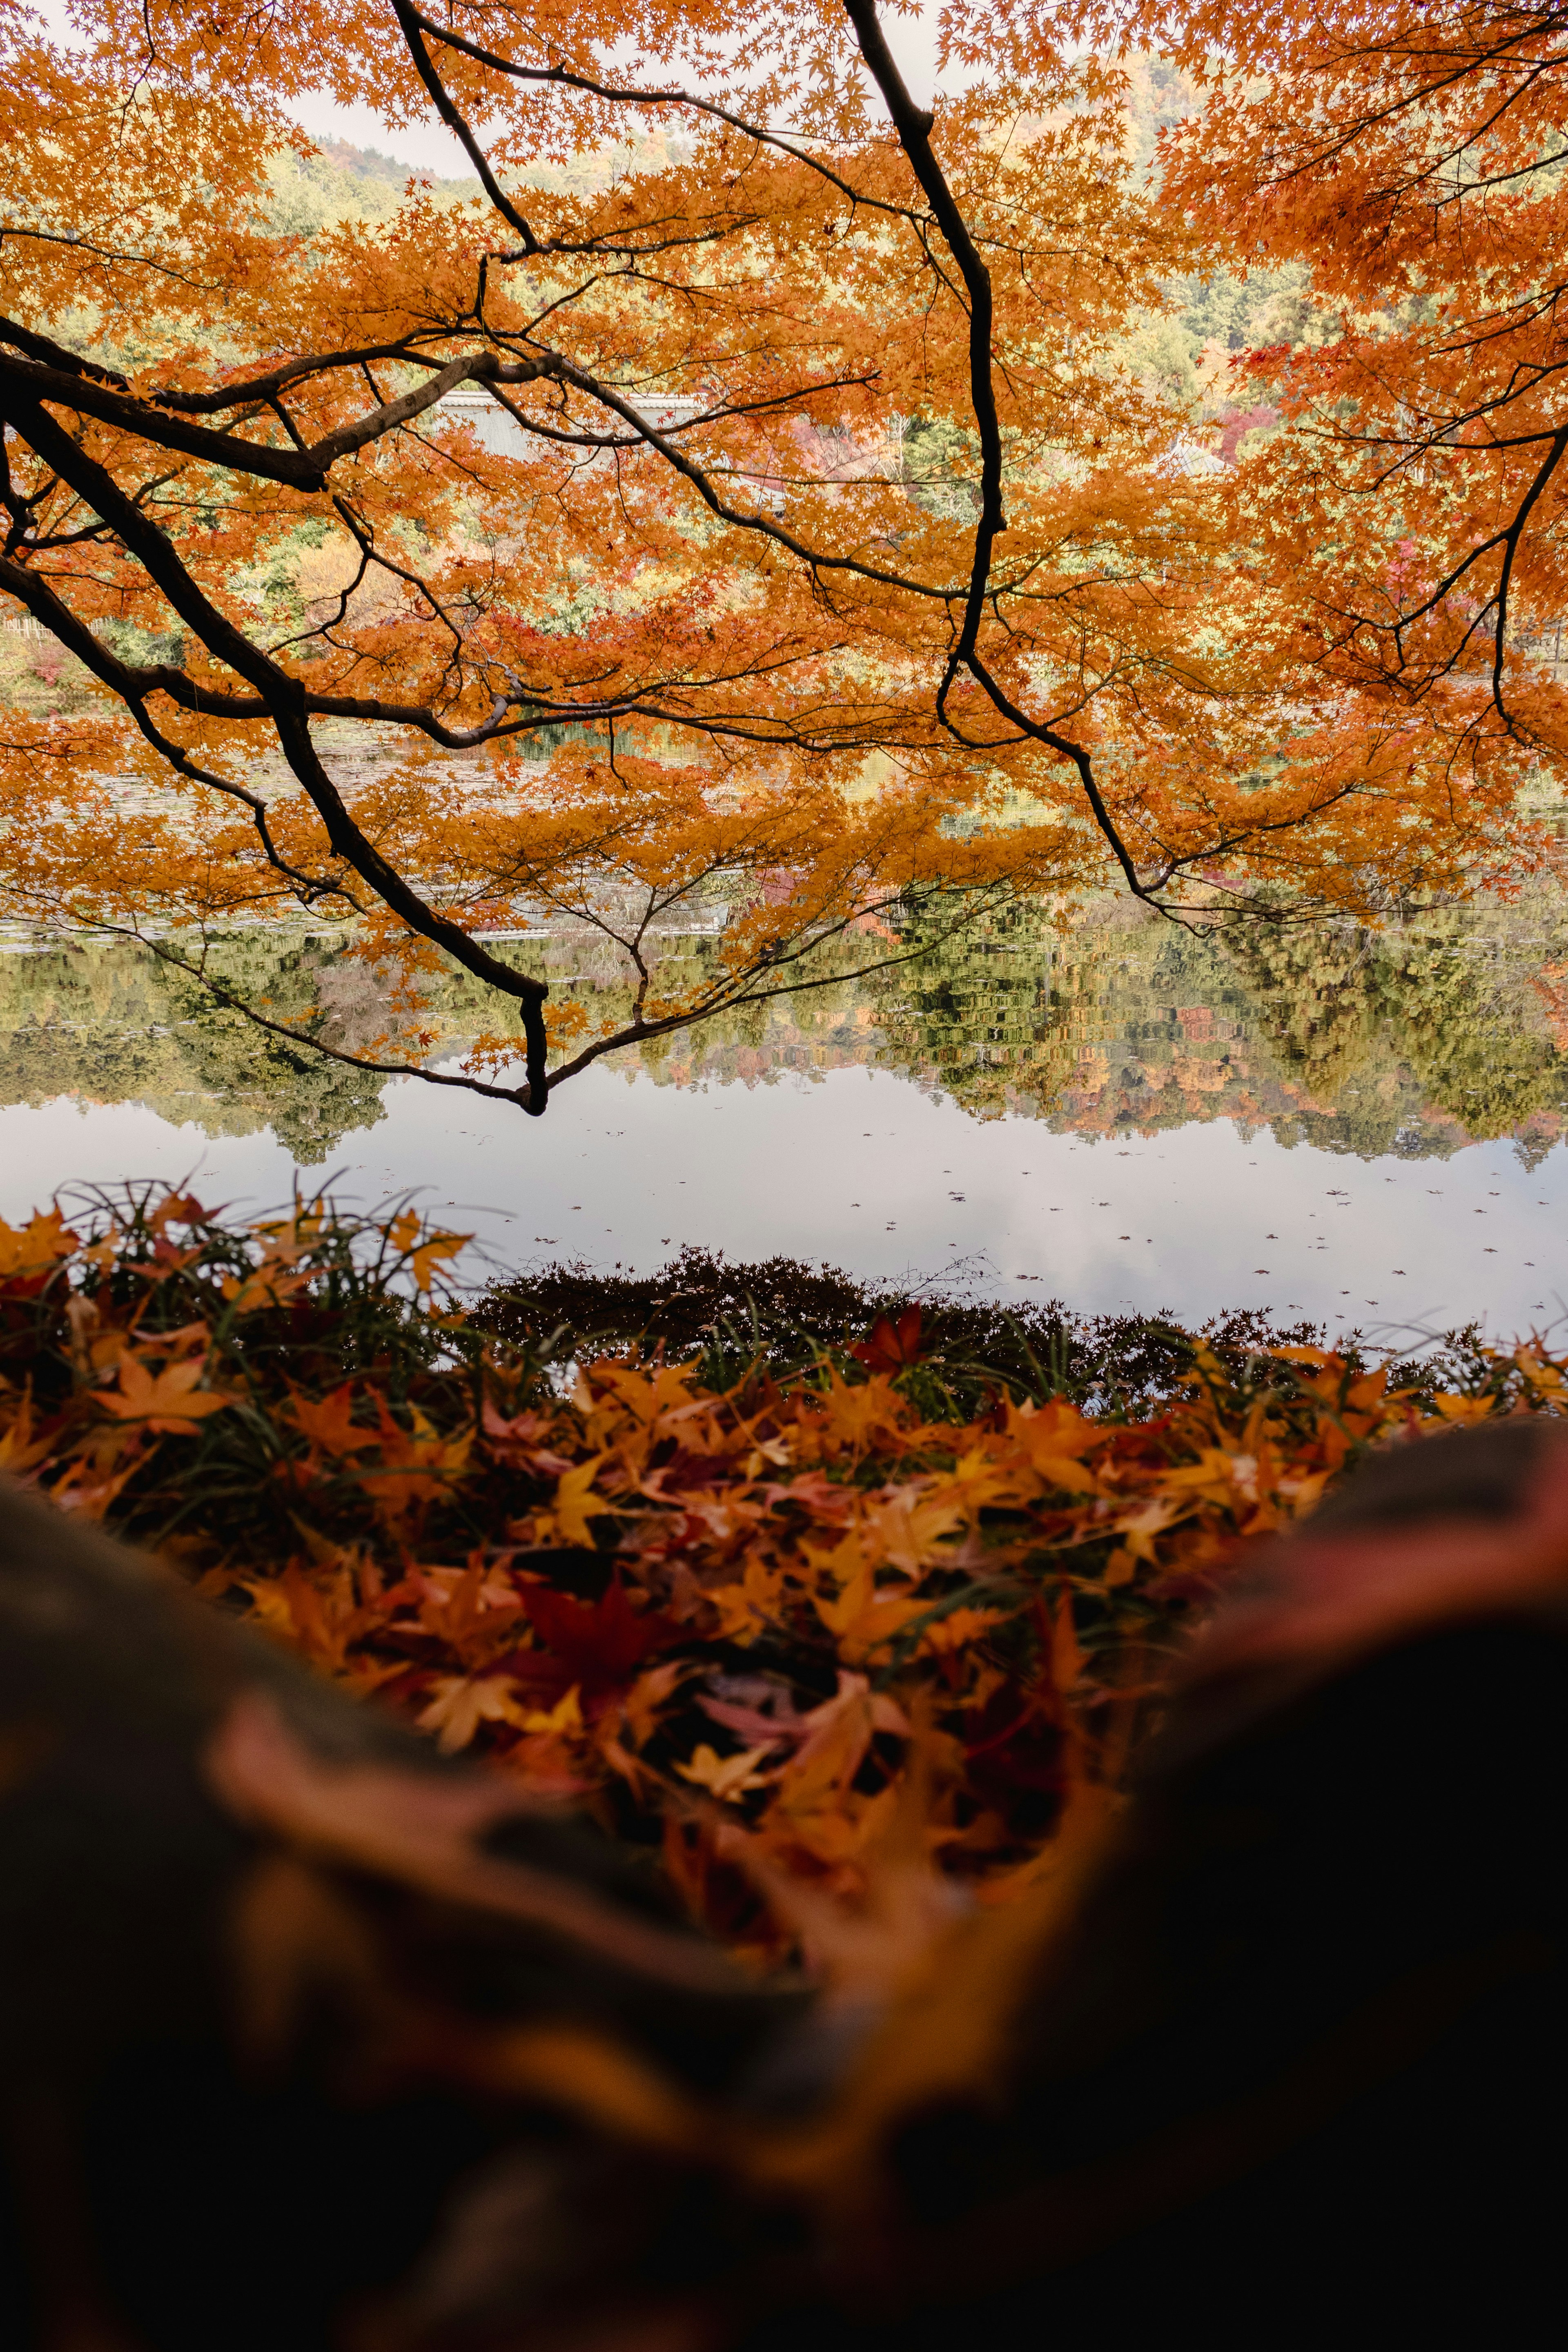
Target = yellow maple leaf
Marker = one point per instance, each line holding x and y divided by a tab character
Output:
1139	1528
977	1480
463	1702
959	1628
565	1716
1050	1438
1463	1408
1216	1477
266	1286
840	1731
652	1690
841	1831
20	1446
1062	1470
624	1405
269	1606
745	1609
727	1777
425	1259
402	1231
907	1526
1053	1431
849	1566
415	1464
576	1504
851	1413
883	1623
862	1618
1368	1393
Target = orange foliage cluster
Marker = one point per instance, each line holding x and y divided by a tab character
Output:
805	1592
804	535
1408	154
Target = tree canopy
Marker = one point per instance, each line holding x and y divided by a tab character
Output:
762	500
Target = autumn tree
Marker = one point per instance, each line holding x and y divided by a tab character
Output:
1411	156
814	548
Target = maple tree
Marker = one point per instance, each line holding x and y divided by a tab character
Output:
1410	156
827	555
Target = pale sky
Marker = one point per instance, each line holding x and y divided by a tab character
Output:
427	147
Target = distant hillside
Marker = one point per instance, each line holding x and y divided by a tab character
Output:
341	182
370	163
600	167
1212	318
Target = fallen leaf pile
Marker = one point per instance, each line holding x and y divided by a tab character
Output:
741	1620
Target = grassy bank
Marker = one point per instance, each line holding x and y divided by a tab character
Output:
732	1556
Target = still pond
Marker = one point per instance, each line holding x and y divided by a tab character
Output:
1366	1130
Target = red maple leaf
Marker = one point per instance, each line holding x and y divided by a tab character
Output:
892	1347
602	1644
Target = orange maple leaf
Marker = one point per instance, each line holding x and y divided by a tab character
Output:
34	1247
330	1426
169	1401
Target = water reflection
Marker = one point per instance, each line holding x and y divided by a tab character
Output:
1451	1029
1107	1106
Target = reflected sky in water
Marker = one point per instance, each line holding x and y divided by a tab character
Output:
870	1171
